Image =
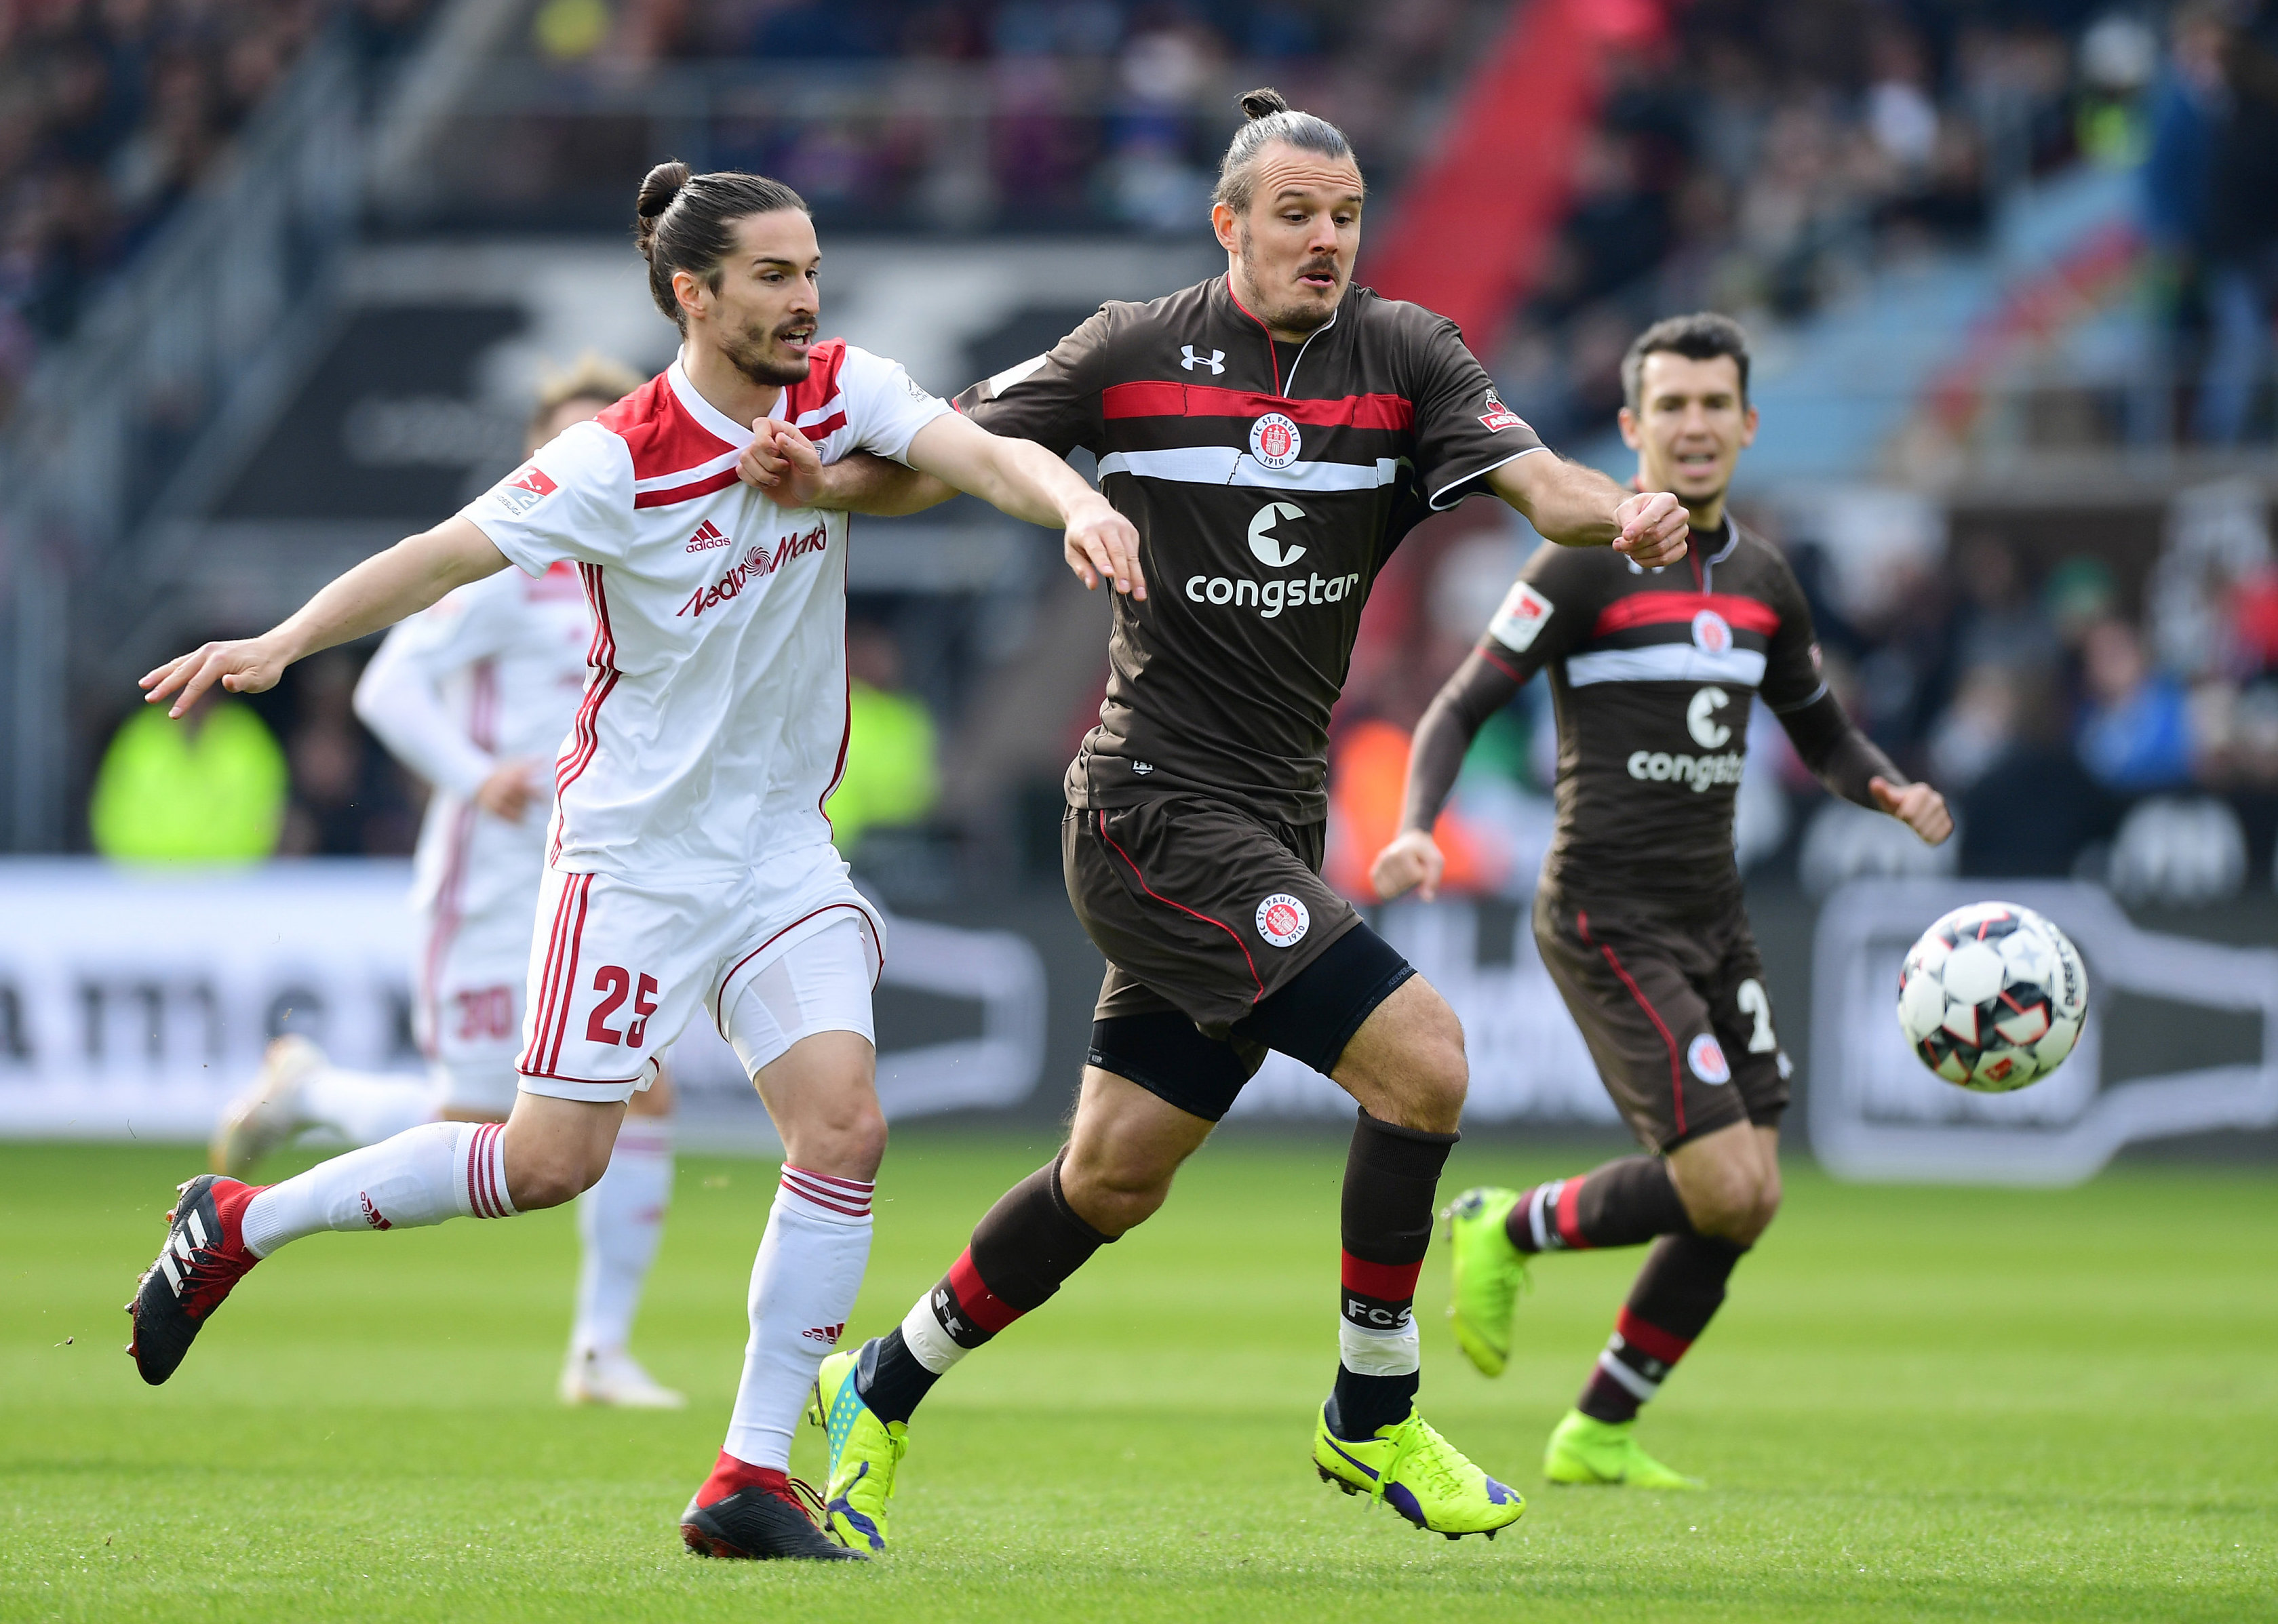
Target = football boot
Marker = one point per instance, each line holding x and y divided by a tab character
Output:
1489	1273
1420	1474
863	1453
268	1113
769	1520
616	1378
203	1259
1585	1449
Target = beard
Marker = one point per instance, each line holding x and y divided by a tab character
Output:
752	353
1284	311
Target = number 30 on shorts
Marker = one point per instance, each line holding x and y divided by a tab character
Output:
615	983
1757	1005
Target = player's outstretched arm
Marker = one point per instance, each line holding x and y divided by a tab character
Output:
1025	480
380	591
1482	685
1851	765
1579	507
785	464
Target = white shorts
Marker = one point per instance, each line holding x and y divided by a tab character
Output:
618	969
468	1015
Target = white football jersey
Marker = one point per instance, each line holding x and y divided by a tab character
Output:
492	672
714	722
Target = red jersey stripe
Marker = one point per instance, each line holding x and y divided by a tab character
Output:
1168	399
1660	609
672	494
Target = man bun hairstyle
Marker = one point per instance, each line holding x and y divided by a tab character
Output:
1703	336
685	222
1271	119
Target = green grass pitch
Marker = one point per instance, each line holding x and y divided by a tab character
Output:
1920	1403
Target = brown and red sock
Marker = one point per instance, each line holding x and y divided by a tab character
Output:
1624	1203
1021	1250
1392	1183
1676	1295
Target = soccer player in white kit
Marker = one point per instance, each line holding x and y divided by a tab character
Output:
689	872
475	695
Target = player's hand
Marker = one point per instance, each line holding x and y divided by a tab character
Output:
1411	862
1102	545
248	666
508	790
783	462
1918	806
1654	528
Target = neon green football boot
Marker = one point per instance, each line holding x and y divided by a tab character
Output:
864	1451
1489	1275
1585	1449
1419	1474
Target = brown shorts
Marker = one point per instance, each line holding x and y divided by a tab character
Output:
1675	1012
1198	906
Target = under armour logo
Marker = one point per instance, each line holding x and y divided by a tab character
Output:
1215	361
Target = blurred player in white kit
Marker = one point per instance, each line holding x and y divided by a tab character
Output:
689	869
477	696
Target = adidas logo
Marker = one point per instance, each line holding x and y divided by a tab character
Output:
708	536
371	1214
828	1335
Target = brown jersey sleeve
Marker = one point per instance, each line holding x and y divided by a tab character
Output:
1463	432
1052	398
1532	629
1791	676
1841	757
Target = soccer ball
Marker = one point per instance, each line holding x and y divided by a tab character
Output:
1992	996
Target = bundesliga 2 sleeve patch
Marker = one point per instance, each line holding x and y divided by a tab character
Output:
525	490
1520	620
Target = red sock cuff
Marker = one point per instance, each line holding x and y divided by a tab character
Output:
1650	1338
1385	1281
731	1475
982	1306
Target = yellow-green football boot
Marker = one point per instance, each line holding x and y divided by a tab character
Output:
1489	1275
1585	1449
1419	1474
864	1451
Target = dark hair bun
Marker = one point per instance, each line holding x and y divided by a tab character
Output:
1263	103
656	195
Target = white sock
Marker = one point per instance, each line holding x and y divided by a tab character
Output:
1379	1353
366	1107
803	1285
619	1220
424	1175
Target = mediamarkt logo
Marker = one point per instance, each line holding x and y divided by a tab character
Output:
757	562
1700	772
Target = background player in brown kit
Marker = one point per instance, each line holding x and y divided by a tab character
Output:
1272	433
1639	914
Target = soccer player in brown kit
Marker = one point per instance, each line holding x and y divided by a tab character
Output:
1272	433
1639	914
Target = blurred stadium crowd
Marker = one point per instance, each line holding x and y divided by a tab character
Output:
1022	115
2093	710
110	113
1763	159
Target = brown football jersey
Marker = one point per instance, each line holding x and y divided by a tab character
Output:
1653	673
1269	482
